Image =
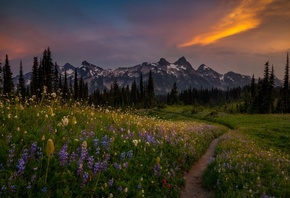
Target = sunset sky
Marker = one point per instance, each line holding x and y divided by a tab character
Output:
226	35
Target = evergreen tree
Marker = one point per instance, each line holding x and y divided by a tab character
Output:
76	85
271	90
55	78
134	93
48	69
116	100
8	85
21	83
253	87
65	87
81	88
41	78
34	85
60	88
150	94
173	97
1	79
286	95
141	88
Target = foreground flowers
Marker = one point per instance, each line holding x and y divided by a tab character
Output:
243	169
95	153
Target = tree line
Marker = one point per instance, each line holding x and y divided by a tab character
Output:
46	78
261	96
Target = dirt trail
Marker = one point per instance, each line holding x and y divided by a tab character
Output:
193	187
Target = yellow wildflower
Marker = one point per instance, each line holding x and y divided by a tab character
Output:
49	147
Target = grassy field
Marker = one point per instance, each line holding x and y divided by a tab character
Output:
252	160
53	150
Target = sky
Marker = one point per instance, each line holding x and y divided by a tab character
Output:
226	35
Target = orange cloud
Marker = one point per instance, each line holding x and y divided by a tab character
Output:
244	17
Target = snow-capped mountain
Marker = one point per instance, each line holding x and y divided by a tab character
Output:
164	75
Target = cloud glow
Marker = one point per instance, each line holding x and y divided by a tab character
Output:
244	17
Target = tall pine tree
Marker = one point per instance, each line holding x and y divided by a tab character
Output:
21	83
48	67
76	85
34	85
8	85
1	79
285	97
150	94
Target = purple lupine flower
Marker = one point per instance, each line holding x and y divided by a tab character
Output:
11	155
104	166
111	182
20	166
63	155
120	188
98	150
105	142
21	162
9	137
80	168
122	156
150	138
85	179
44	189
90	162
117	166
96	142
125	165
97	168
72	157
3	188
111	128
33	149
108	156
84	153
157	170
38	152
25	155
130	154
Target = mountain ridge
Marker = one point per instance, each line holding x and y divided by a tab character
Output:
164	75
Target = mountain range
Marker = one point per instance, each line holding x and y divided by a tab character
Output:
164	75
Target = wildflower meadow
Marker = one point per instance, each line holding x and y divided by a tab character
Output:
241	168
52	149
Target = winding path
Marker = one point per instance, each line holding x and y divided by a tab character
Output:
193	187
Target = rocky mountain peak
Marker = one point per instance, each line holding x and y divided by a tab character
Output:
182	61
163	61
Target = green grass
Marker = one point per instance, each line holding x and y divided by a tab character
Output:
271	131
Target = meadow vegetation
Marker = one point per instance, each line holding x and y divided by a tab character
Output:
51	149
252	160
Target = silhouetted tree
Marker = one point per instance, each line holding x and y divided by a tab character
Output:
21	83
65	87
8	85
1	79
34	83
173	96
55	78
134	93
150	94
286	95
76	85
48	67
